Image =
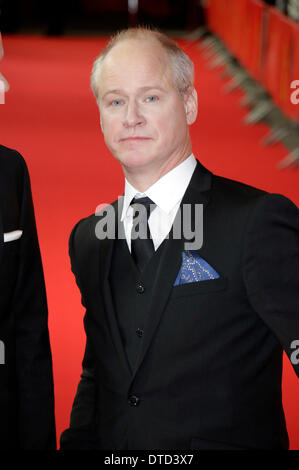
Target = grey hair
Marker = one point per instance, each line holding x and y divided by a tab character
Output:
182	65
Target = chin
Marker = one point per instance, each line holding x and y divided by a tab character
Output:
134	160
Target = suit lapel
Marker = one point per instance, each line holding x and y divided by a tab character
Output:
198	192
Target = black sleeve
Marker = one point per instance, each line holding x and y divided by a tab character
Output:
82	431
271	269
33	355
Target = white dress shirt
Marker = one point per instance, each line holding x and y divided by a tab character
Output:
167	194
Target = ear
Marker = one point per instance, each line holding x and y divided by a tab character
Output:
190	103
101	122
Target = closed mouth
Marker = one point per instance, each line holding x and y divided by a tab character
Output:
134	138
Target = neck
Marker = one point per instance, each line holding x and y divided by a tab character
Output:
143	178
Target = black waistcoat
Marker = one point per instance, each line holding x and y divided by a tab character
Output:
131	293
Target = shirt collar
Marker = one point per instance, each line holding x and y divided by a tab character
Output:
167	191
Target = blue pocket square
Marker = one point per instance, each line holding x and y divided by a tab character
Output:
194	269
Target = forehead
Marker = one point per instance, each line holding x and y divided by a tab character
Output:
135	63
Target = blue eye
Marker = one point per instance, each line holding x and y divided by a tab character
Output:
116	102
150	99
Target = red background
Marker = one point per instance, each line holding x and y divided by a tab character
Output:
50	117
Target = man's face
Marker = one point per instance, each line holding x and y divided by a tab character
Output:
144	119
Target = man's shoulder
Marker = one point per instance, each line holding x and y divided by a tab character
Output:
230	188
223	190
13	173
10	159
242	198
86	227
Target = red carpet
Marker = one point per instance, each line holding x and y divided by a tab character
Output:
50	117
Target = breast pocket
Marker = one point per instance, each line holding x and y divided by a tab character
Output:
201	287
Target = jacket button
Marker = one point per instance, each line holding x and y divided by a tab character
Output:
140	289
139	332
133	400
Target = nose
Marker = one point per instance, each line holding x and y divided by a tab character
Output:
133	116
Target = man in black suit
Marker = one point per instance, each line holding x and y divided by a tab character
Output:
26	382
184	337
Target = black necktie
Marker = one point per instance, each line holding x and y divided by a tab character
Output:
142	248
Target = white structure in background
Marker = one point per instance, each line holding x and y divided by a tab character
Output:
133	6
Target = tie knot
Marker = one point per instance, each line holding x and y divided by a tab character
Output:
145	202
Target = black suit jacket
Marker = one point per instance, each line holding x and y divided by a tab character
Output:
26	382
209	373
